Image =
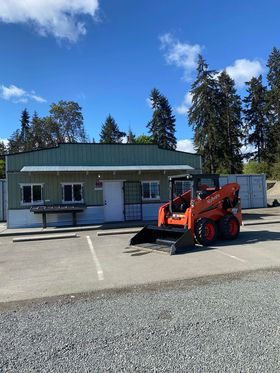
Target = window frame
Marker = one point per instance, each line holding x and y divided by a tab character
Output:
157	198
32	202
72	192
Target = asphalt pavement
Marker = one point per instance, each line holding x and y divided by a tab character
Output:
226	323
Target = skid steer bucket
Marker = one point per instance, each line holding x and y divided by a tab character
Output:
171	240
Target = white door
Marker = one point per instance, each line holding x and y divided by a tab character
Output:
113	200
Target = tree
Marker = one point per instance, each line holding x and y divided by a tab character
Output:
256	118
20	139
144	139
204	116
230	126
273	79
162	124
110	133
67	121
25	130
130	137
2	160
254	167
37	132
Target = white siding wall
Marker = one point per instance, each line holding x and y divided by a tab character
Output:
27	219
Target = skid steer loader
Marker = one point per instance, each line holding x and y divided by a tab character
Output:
198	211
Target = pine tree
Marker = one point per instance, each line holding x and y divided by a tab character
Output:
37	133
110	133
230	126
20	139
130	137
256	118
2	159
273	79
25	130
162	124
204	116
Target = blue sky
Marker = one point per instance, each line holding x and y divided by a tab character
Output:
107	55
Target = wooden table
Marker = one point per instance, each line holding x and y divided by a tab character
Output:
58	209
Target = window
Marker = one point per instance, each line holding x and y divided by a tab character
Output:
180	187
31	194
72	192
150	190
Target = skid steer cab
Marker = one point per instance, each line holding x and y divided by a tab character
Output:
199	211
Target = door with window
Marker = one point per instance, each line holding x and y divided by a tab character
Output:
113	201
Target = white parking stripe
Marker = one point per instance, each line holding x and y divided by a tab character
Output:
232	256
99	270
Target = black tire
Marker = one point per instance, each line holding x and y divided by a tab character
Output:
229	227
205	231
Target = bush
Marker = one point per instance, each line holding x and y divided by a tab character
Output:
276	171
256	168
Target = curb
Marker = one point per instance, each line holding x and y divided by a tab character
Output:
45	237
63	230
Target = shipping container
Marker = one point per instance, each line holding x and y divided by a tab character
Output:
252	189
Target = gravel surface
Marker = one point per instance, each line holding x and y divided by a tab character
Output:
216	324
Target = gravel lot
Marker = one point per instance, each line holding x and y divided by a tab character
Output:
214	324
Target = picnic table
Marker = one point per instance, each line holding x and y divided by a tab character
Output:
58	209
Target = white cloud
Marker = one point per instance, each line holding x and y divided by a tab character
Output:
5	141
185	146
186	104
19	95
55	17
180	54
243	70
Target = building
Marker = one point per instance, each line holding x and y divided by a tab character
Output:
112	182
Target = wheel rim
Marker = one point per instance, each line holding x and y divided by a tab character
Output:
209	231
233	227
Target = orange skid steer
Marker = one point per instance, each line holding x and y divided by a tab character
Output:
198	211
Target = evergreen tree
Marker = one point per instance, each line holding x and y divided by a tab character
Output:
273	79
14	142
110	133
37	132
162	124
20	139
256	118
130	137
230	126
25	130
204	116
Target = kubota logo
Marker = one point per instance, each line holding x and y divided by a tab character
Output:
214	198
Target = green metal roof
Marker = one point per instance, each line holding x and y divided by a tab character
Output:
102	155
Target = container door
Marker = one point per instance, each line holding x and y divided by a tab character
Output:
258	198
113	201
244	194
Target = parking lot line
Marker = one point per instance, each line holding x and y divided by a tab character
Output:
99	270
231	256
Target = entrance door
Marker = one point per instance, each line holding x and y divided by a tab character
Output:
113	200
